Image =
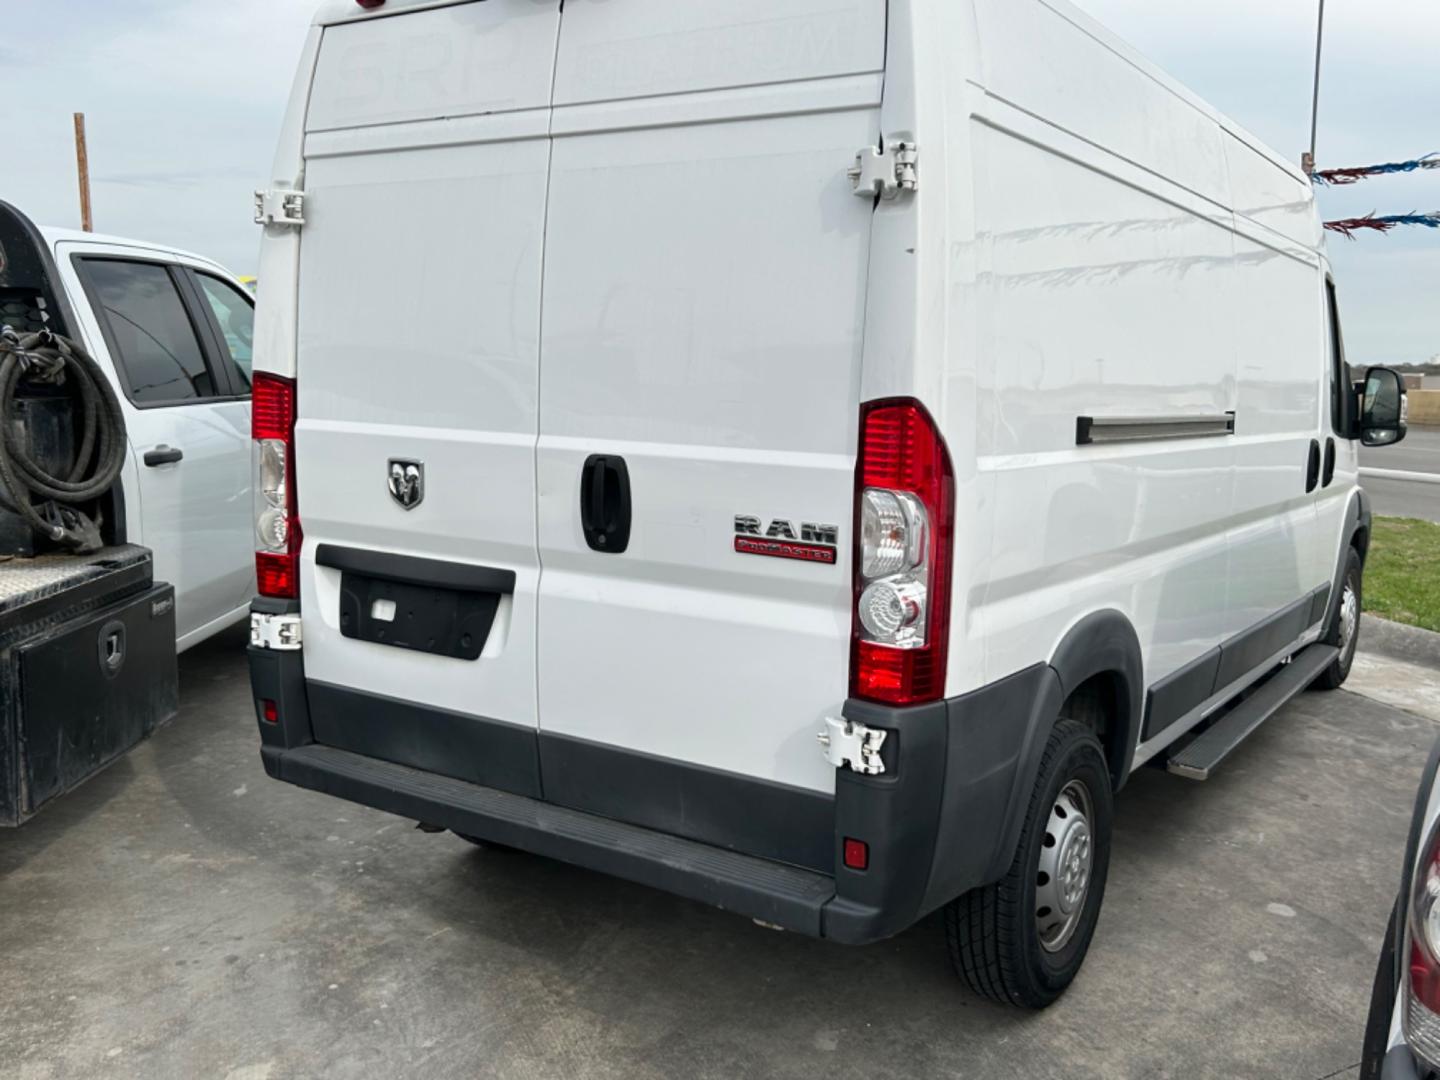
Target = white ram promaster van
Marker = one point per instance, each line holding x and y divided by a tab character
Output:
650	388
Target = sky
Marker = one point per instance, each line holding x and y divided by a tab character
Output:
183	100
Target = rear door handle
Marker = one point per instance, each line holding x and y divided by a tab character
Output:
605	503
1312	470
163	455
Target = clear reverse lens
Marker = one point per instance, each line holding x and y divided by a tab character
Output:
893	528
270	472
1430	916
272	517
272	530
893	612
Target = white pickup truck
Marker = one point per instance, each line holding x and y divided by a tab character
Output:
173	331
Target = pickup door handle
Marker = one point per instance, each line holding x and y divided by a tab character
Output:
605	503
1312	470
163	455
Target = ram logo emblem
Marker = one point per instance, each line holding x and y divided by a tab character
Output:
781	540
407	482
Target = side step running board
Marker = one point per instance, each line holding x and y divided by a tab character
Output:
773	892
1200	758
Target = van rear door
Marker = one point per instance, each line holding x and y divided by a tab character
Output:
427	159
705	281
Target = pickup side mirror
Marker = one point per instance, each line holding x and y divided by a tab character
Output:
1384	408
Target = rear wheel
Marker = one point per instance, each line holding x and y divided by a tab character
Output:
1022	940
1344	632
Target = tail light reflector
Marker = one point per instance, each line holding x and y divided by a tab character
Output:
277	515
905	518
1422	986
857	854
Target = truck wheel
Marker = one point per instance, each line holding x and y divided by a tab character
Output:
1022	940
1344	632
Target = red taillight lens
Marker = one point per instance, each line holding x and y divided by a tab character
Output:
901	449
270	711
857	854
277	575
277	515
272	407
905	517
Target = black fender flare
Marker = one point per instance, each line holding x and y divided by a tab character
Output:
1105	643
1358	519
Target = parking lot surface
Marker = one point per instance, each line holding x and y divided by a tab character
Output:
1419	453
182	915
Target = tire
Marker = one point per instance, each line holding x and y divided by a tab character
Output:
1344	631
998	942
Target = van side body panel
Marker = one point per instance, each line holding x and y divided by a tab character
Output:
1115	279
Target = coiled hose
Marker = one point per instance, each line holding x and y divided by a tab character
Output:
51	503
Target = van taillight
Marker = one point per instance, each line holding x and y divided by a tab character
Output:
277	516
904	524
1422	988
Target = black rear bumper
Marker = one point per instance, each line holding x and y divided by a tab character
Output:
787	896
944	818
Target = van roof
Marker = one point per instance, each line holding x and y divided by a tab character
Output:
1122	48
338	11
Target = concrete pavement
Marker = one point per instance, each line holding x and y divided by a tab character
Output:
182	915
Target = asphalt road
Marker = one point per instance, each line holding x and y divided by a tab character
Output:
1420	452
181	915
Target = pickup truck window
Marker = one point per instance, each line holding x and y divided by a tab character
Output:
235	316
148	326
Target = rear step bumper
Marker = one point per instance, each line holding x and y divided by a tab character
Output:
773	892
942	819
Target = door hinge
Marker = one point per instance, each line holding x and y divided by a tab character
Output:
854	746
886	172
280	207
278	632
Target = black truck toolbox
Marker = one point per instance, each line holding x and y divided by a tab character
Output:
87	669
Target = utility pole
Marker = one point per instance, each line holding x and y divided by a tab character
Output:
82	164
1309	160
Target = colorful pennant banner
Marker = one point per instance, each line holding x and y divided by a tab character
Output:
1348	227
1343	177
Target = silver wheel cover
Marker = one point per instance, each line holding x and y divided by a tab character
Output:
1349	620
1067	863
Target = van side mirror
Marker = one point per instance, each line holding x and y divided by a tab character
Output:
1384	408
